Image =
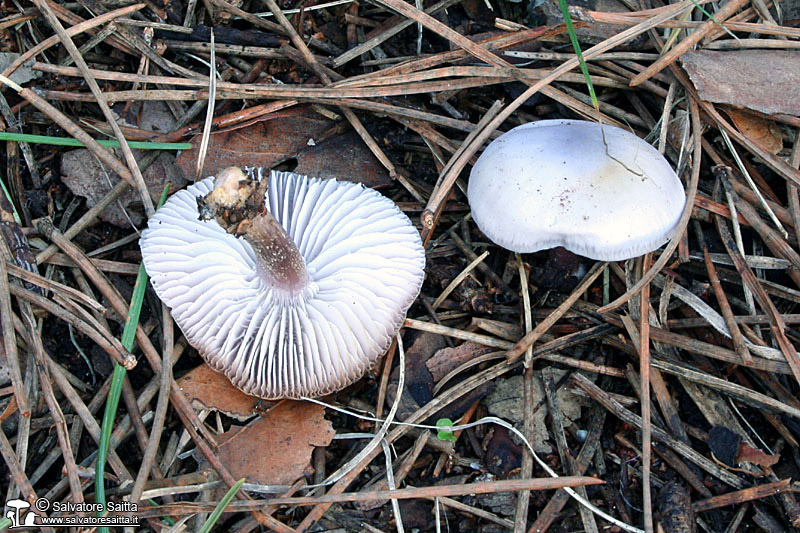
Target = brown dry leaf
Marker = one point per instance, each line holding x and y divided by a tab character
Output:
83	173
761	131
343	157
264	143
148	115
418	389
762	80
85	176
292	133
503	454
276	449
447	359
205	388
752	455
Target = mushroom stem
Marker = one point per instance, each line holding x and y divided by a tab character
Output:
237	204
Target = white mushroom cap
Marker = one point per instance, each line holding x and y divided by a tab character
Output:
365	265
552	183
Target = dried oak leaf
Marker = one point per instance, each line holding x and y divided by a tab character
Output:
83	173
205	388
85	176
276	449
762	80
765	133
293	133
447	359
418	389
752	455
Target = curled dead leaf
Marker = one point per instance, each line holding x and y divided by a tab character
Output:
297	133
276	449
763	132
207	389
755	456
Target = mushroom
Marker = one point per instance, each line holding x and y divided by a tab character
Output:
290	286
563	183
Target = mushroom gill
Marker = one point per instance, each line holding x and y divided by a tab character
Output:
296	296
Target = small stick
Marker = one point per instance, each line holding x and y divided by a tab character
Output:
384	383
445	31
678	446
442	399
374	41
731	389
777	324
741	496
469	509
792	193
10	338
17	472
644	369
458	279
149	457
528	395
568	464
73	129
87	218
553	508
89	422
698	347
733	328
60	422
94	331
461	489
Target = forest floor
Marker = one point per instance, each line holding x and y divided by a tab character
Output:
664	388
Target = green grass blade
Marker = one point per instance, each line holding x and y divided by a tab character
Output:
223	503
17	219
69	141
166	519
112	402
574	38
105	436
710	16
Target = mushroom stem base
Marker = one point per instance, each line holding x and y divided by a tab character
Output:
237	203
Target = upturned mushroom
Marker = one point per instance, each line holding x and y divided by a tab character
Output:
288	285
563	183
